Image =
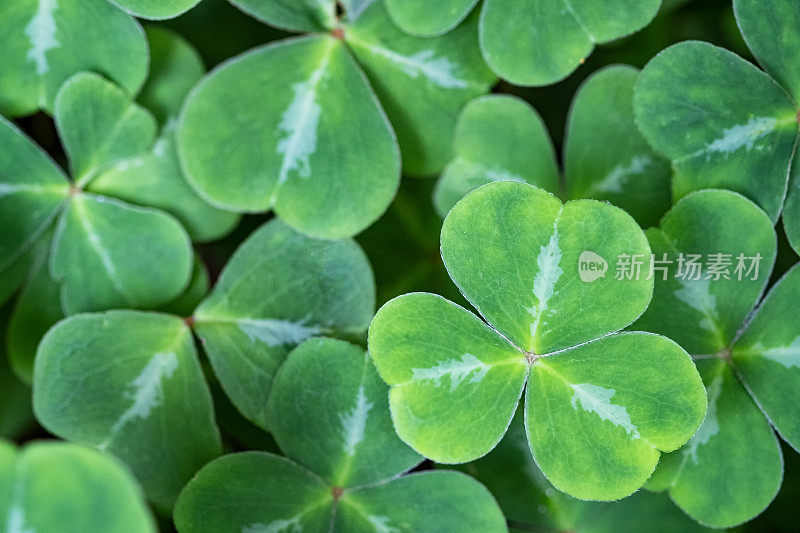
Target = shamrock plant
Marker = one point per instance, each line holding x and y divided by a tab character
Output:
531	42
600	406
732	468
343	464
500	137
731	125
52	487
314	144
279	289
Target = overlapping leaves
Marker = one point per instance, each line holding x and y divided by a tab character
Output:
732	468
343	462
605	156
599	407
314	144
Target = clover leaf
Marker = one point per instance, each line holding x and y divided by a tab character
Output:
722	121
344	462
540	42
732	468
279	289
51	487
314	144
156	413
499	137
46	42
600	407
419	17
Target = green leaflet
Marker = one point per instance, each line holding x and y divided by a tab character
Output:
156	9
529	500
605	156
32	189
422	83
497	137
622	426
421	17
37	309
695	235
767	357
791	210
346	434
721	121
47	41
175	67
13	274
349	461
516	253
155	414
292	15
313	145
279	289
539	42
732	468
152	175
51	487
94	232
770	30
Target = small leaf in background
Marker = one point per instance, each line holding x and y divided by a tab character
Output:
721	121
349	461
539	42
155	414
279	289
45	42
605	156
424	18
516	253
313	145
731	470
421	83
51	487
155	9
310	16
346	435
497	137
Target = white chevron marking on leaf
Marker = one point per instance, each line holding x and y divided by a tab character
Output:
291	525
616	180
596	399
788	355
710	425
355	422
457	369
545	280
41	32
275	332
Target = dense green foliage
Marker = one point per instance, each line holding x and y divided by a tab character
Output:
384	266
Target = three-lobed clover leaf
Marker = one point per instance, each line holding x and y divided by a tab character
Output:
600	406
732	468
499	137
46	42
344	465
279	289
50	487
314	144
129	382
722	121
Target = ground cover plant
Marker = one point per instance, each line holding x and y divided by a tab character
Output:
287	266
